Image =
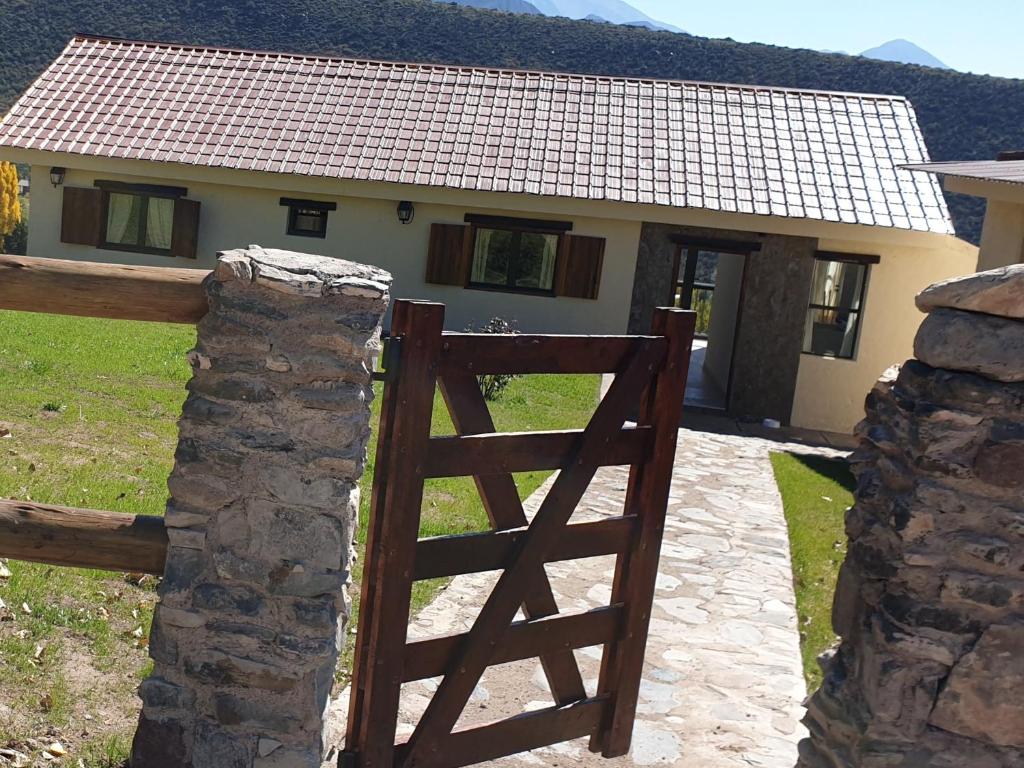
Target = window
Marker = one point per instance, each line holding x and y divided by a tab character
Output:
837	299
143	218
307	218
139	222
514	256
531	256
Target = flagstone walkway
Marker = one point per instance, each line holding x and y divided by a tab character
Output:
723	683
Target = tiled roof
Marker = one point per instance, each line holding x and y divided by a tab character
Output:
1008	171
747	149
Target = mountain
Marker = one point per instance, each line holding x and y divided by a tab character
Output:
609	11
508	6
904	52
963	116
615	11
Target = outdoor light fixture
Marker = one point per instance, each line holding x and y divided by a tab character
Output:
57	175
406	212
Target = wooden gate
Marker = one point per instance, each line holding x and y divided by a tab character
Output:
650	373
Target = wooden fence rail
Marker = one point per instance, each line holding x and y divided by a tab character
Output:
88	538
82	538
89	289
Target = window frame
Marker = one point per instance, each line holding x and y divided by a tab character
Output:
863	260
520	227
146	192
319	207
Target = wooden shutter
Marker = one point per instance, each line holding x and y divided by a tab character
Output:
185	230
579	267
449	258
81	220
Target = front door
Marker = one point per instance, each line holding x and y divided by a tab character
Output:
694	281
707	278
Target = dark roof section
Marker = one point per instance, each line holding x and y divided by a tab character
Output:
1008	171
746	149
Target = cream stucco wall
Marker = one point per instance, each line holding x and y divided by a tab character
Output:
239	208
830	392
364	230
1002	235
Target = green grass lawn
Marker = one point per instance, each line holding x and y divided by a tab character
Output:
816	492
91	407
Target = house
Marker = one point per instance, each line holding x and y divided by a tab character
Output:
23	186
565	203
1001	183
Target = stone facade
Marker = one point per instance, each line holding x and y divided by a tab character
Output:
930	601
770	332
770	327
263	507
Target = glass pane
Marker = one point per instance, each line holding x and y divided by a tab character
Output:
707	268
493	255
311	221
534	266
701	304
159	221
838	284
831	332
123	213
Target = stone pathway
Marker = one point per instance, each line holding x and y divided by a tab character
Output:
723	683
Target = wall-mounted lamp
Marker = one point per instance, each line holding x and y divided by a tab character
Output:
406	212
57	175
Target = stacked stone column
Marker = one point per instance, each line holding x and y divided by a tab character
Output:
262	512
930	602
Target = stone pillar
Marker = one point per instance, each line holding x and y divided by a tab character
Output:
930	601
263	507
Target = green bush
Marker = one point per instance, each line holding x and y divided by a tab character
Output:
493	384
16	243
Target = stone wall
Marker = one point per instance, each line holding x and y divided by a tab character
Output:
930	601
773	310
770	333
262	512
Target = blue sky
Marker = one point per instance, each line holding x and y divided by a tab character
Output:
982	36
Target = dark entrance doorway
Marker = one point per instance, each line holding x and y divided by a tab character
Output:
707	277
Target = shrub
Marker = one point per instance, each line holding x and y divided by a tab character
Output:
492	385
16	243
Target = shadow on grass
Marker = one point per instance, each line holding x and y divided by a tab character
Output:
836	470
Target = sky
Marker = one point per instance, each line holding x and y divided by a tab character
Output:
982	36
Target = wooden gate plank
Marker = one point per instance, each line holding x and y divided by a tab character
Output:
475	552
497	454
484	353
442	713
419	325
500	497
361	671
637	569
524	640
530	730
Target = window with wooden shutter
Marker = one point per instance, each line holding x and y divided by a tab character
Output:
185	231
579	267
448	256
81	221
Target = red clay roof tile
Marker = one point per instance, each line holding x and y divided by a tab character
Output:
750	149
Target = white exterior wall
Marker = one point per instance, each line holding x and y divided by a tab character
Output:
1002	235
830	392
363	230
239	208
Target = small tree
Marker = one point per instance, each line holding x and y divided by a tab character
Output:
10	204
